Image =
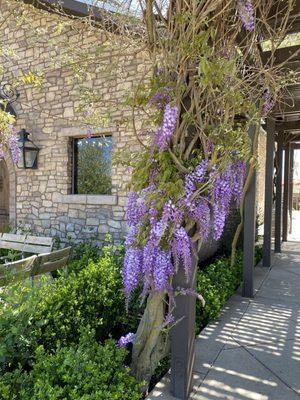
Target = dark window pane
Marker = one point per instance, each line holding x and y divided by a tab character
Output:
92	163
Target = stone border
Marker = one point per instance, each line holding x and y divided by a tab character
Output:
109	200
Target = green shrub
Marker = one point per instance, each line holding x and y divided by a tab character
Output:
87	371
216	284
82	254
56	312
258	254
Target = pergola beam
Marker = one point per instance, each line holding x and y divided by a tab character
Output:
283	54
249	231
289	107
268	211
288	125
278	205
291	187
281	8
285	207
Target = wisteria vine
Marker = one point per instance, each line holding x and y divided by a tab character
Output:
206	198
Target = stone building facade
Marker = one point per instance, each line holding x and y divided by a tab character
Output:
41	200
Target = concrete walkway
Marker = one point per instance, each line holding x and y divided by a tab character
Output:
252	352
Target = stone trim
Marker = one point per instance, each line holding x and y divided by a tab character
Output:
81	132
109	200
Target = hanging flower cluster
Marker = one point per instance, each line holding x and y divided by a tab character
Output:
8	138
14	148
164	133
124	341
268	103
158	240
246	14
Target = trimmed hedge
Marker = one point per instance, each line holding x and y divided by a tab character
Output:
85	371
217	283
56	312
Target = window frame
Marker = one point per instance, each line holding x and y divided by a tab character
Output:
74	165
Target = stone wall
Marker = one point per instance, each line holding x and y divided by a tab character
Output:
42	201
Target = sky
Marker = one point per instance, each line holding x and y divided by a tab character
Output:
297	165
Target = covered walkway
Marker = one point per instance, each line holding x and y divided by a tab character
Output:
252	352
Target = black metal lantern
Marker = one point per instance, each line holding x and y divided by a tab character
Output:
29	151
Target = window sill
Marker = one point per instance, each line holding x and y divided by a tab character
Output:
87	199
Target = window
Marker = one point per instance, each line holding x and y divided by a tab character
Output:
92	165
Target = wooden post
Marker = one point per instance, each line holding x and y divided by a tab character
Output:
182	336
278	205
249	230
285	207
291	188
268	211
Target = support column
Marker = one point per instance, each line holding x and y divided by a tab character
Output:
182	338
249	229
278	200
268	211
291	188
285	207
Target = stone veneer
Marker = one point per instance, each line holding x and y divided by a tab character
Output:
40	199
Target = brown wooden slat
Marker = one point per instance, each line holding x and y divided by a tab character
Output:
282	54
50	266
17	270
13	237
52	261
35	249
40	240
11	245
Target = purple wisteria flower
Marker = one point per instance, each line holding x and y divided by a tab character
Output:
182	250
163	270
160	99
169	320
192	179
124	341
202	215
14	148
136	209
1	151
221	194
132	269
246	14
164	133
238	179
268	103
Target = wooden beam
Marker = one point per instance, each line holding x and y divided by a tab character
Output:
296	146
291	187
278	205
268	211
281	7
182	338
285	205
288	125
283	54
291	137
288	108
249	232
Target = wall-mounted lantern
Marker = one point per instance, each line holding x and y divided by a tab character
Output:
29	151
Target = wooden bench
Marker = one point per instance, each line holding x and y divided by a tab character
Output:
25	243
34	265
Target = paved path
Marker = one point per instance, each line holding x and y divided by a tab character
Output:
252	352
